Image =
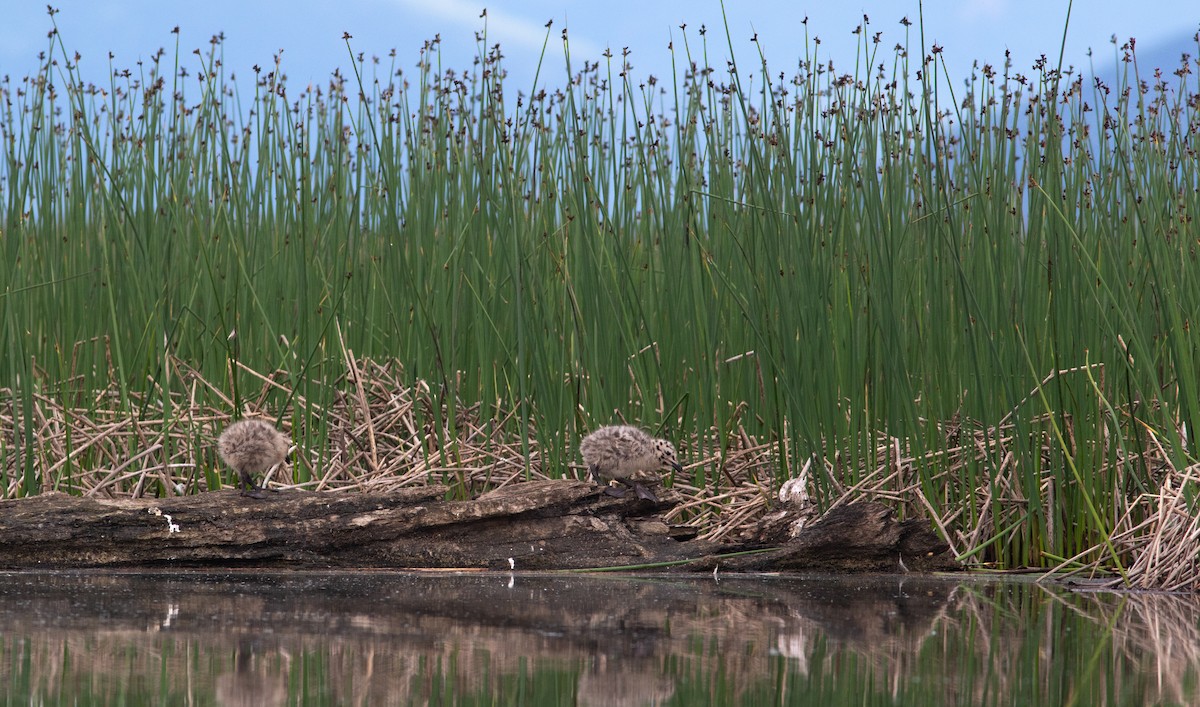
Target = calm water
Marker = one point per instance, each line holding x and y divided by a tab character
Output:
369	638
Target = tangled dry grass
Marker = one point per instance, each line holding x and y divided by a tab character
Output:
1161	532
381	433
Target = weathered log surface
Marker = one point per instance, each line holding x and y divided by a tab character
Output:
560	524
856	537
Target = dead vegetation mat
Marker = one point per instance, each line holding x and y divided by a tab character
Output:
383	431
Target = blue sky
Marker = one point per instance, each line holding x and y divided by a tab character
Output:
310	33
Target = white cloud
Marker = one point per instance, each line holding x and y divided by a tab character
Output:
509	30
983	10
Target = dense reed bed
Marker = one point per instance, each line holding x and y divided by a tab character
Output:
976	301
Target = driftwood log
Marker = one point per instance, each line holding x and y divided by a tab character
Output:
544	525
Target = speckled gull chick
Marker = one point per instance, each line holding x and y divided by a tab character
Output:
616	452
252	446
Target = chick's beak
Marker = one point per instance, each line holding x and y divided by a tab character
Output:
677	466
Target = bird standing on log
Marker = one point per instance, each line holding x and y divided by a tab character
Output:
251	446
617	452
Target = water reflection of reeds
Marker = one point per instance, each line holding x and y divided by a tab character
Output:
392	639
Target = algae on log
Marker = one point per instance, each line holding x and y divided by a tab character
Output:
542	525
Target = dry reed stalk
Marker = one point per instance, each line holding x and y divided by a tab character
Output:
1162	535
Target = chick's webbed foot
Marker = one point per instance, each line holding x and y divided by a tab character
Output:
643	492
252	490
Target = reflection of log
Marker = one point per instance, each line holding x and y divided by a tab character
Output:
397	637
616	621
539	525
